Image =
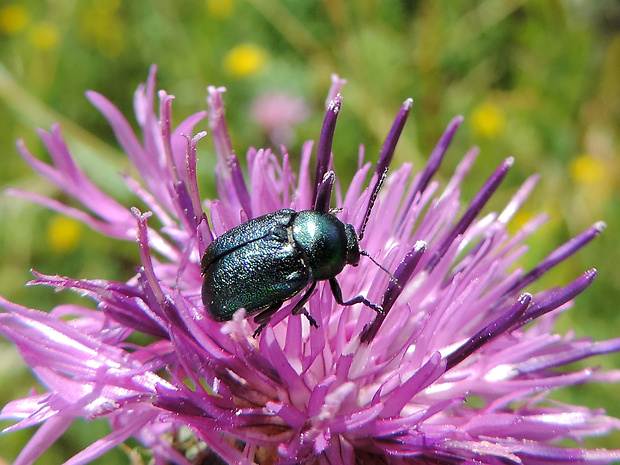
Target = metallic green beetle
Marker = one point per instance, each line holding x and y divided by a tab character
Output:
266	261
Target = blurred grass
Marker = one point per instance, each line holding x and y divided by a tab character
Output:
538	80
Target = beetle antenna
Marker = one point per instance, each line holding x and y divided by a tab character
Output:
392	277
371	203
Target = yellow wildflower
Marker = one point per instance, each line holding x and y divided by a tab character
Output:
220	9
245	60
588	169
13	19
488	120
44	36
63	234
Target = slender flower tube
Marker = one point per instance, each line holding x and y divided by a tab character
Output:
456	323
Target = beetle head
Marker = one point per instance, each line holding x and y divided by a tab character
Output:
353	245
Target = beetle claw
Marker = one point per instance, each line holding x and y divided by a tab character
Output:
311	320
259	330
378	309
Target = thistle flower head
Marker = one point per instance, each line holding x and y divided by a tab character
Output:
457	322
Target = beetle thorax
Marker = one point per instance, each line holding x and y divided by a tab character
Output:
322	239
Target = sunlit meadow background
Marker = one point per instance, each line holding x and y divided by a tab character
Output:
538	80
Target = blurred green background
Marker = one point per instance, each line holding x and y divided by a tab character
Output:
538	80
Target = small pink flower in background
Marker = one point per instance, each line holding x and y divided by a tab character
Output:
363	387
278	113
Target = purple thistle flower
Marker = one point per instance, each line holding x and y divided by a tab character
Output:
363	387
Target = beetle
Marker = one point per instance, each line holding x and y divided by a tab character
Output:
260	264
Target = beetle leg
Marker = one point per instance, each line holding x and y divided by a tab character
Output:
263	317
333	283
300	309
